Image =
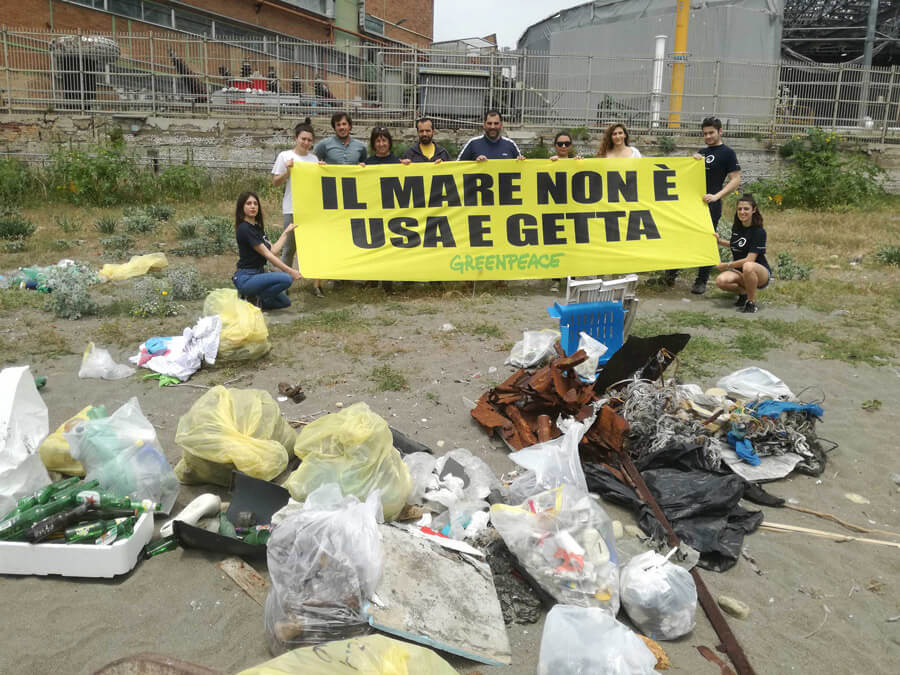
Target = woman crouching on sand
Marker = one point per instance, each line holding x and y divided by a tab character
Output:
749	271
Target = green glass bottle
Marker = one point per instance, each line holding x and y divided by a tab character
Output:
15	526
90	532
258	535
106	500
42	496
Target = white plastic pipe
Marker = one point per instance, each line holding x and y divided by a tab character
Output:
659	62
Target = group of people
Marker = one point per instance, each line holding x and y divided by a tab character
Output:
748	271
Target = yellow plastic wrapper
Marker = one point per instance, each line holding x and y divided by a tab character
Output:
229	429
370	655
137	266
355	449
55	451
244	334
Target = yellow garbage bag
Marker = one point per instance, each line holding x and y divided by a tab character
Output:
355	449
138	265
369	655
55	450
244	334
229	429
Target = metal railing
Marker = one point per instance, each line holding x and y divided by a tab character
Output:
178	74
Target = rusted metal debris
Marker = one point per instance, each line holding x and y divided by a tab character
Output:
522	409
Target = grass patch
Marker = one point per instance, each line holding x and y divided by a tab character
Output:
702	357
46	341
865	349
753	345
387	378
332	320
115	332
484	329
15	298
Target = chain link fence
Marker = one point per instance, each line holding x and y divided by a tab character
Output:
174	74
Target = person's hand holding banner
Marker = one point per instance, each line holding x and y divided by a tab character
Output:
502	219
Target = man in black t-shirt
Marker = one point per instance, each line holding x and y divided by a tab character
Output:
723	176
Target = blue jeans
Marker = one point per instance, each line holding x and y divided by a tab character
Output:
269	287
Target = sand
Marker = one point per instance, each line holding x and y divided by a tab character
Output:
181	605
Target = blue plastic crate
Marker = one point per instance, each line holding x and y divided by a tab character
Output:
603	321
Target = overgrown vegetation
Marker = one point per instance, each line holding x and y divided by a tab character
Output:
154	298
787	269
888	255
70	296
15	226
387	378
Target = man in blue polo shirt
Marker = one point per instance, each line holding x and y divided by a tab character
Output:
490	145
341	148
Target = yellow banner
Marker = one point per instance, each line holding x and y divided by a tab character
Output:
501	219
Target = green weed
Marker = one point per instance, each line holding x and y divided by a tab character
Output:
115	332
15	298
888	255
752	344
106	225
15	226
66	224
786	268
387	378
485	329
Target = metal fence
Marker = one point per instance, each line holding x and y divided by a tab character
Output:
176	74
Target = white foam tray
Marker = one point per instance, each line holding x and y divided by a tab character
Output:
77	560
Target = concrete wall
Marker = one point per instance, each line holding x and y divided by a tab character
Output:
253	144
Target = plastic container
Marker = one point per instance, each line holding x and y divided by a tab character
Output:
603	321
77	560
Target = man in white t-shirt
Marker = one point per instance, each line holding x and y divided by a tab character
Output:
281	175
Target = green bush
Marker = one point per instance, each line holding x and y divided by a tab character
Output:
140	223
199	248
70	296
153	297
888	255
185	283
15	226
106	177
666	144
117	246
538	152
106	224
786	268
17	182
66	224
182	182
186	229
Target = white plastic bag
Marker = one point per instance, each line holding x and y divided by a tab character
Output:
564	539
534	347
594	350
755	383
325	559
97	363
186	352
556	462
24	423
421	472
123	453
588	641
461	495
660	597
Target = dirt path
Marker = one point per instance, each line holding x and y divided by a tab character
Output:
180	603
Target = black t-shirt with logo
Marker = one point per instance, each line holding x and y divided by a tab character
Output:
249	236
720	161
746	240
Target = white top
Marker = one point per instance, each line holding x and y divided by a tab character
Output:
287	204
634	151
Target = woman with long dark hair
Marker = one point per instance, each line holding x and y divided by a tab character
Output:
616	143
749	270
253	282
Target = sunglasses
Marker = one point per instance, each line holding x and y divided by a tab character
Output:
564	144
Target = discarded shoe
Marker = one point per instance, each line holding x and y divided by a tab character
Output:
741	300
750	308
699	287
294	392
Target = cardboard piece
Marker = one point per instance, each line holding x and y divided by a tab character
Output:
439	598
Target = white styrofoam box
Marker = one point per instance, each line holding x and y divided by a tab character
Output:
77	560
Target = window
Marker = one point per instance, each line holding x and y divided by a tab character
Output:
374	25
323	7
96	4
192	23
130	8
159	14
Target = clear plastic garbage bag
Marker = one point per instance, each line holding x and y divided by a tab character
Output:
535	347
355	449
230	429
659	596
55	450
97	363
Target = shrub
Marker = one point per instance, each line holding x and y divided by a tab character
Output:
163	212
787	268
13	246
117	246
106	225
199	248
888	255
666	144
185	283
15	226
140	222
17	182
153	297
186	229
538	152
182	182
66	224
107	177
70	296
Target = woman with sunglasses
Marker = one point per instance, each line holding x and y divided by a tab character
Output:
615	143
563	147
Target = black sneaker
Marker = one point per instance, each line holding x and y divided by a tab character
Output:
750	308
670	277
741	301
699	287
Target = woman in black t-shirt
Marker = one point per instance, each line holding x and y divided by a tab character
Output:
380	143
265	289
749	271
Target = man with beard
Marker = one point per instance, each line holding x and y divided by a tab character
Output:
426	150
491	145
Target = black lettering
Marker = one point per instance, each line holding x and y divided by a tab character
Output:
616	185
549	187
478	230
662	185
437	231
475	184
375	230
329	192
348	187
507	188
398	193
587	187
443	192
406	228
641	224
516	232
552	228
611	222
582	233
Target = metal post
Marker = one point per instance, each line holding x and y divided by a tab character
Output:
837	98
208	97
6	68
716	74
81	69
659	63
152	76
590	86
523	80
346	75
278	71
679	57
867	60
415	92
774	116
491	81
887	104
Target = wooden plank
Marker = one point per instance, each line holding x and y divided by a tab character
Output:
247	578
834	536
